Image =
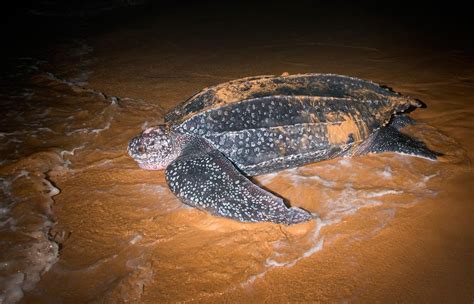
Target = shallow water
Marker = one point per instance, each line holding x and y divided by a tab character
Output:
81	222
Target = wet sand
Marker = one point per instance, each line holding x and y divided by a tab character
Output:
81	222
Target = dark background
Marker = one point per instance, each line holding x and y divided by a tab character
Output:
34	25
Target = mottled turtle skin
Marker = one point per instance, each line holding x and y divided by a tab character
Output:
263	124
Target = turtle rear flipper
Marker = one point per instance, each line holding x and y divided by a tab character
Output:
390	139
401	121
204	178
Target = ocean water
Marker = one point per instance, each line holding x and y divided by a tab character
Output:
80	222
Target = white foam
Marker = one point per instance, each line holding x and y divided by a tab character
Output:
383	193
98	263
98	130
3	134
44	114
345	162
38	253
144	125
28	95
80	79
102	163
16	140
386	173
159	189
135	263
70	152
45	130
426	178
383	217
387	215
50	189
347	203
90	130
136	239
39	257
22	173
145	187
336	204
297	178
416	155
114	100
12	292
273	261
267	178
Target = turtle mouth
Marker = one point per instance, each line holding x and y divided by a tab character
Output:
150	166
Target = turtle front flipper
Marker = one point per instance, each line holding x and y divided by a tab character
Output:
204	178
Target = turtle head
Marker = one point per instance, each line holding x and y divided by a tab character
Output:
154	148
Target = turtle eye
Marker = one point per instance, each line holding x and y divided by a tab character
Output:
141	149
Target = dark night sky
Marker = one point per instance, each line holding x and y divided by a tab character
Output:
442	24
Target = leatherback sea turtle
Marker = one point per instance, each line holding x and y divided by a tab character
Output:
256	125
